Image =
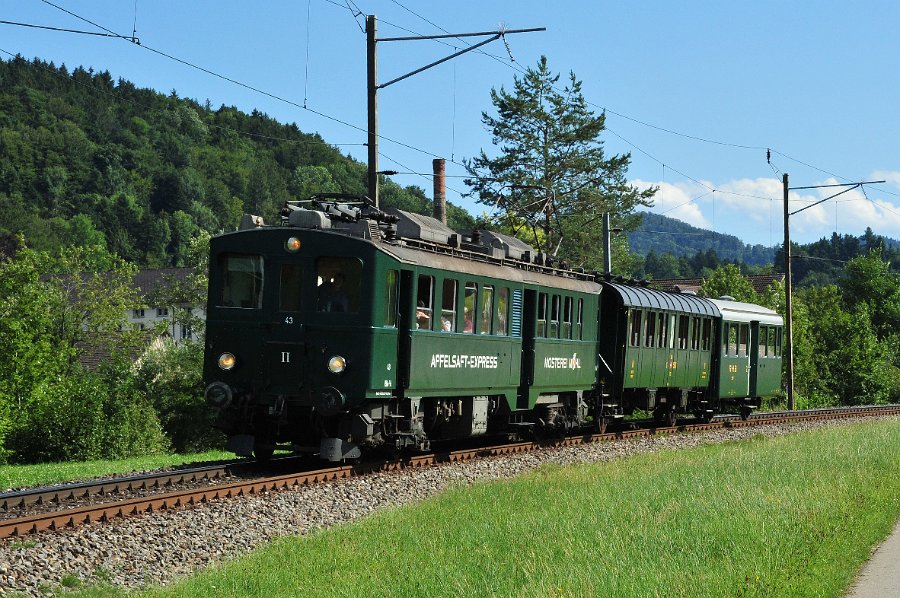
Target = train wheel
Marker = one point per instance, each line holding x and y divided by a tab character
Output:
745	412
263	452
601	424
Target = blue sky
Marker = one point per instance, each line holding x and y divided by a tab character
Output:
814	81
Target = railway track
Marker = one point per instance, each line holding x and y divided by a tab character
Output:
63	506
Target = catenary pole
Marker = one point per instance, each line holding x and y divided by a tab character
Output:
788	313
372	77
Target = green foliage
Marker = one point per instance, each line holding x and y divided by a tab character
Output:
91	162
728	280
552	171
169	376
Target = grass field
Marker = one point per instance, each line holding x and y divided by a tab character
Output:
17	476
792	516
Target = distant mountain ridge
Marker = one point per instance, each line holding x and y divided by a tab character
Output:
661	234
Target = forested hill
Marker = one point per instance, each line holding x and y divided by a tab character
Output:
666	235
87	160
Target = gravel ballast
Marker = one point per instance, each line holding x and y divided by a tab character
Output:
161	547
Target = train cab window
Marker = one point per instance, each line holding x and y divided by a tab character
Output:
706	338
424	302
502	311
684	326
486	309
744	340
579	320
469	307
390	298
554	317
634	321
290	286
695	334
566	331
448	306
338	280
242	281
650	336
542	315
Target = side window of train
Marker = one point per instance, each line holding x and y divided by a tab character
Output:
448	306
391	280
650	336
770	343
242	281
554	316
684	327
778	341
726	327
542	315
424	302
486	309
732	339
579	320
566	331
706	342
502	311
761	341
634	318
744	340
662	326
290	285
695	334
469	307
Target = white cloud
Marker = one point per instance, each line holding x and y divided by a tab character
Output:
753	209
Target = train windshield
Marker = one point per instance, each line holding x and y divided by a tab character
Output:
338	280
242	281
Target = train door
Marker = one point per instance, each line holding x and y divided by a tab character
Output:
406	323
528	331
753	350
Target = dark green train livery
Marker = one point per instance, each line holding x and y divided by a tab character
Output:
348	329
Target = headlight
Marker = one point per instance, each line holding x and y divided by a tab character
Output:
337	364
218	394
292	245
227	361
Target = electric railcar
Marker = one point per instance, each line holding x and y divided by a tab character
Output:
348	329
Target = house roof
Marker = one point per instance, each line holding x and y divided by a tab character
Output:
760	283
148	281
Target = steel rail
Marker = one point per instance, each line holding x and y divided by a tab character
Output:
181	499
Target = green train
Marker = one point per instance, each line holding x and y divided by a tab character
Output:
348	329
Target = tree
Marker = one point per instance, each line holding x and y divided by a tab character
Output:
552	169
728	280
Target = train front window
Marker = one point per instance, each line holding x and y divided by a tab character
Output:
242	281
290	287
338	280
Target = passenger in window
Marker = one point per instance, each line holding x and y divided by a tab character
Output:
423	317
332	296
446	325
470	326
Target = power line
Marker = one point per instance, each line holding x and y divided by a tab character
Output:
216	126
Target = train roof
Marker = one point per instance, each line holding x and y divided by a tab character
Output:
631	296
737	311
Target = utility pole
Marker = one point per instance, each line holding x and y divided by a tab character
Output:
372	82
373	86
788	324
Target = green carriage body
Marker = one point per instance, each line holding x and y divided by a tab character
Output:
656	348
749	349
